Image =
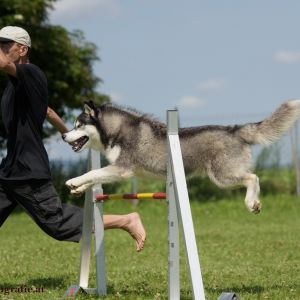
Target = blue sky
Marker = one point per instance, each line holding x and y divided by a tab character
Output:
219	62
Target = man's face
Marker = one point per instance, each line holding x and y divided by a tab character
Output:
12	50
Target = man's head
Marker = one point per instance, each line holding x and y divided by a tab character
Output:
15	43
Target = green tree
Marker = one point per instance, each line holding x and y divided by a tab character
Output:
65	57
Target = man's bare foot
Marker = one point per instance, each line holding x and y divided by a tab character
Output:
136	229
131	223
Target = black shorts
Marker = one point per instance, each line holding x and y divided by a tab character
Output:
40	200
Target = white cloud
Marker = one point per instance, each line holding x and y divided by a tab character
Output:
211	84
73	9
287	57
190	102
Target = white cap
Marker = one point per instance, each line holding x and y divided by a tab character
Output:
16	34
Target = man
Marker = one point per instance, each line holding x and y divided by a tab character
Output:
25	178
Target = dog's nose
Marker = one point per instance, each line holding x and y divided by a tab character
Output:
63	136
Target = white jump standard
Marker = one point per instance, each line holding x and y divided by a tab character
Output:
92	213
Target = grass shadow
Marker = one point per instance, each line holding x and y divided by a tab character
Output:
47	282
256	289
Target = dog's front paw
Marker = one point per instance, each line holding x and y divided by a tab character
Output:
76	187
76	193
80	190
72	184
75	183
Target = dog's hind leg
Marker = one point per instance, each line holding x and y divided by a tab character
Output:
252	202
250	181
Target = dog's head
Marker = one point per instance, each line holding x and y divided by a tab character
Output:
85	133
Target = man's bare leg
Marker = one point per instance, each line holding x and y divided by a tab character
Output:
131	223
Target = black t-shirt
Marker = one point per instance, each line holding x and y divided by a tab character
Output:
24	107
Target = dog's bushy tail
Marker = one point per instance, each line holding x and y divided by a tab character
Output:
270	129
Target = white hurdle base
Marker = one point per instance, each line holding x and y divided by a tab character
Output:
179	210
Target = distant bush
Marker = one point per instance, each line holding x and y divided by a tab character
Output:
277	181
274	178
202	189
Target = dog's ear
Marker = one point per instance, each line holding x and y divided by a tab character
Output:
90	109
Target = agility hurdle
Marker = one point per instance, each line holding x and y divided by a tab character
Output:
179	207
131	196
178	211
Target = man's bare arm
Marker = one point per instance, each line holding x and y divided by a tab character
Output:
55	120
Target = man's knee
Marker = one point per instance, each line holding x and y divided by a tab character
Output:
60	233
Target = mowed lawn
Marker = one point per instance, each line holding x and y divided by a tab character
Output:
256	256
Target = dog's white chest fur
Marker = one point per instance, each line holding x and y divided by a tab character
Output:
112	153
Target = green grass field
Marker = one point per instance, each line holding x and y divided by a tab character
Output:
256	256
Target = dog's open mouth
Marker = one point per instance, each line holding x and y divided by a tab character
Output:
78	144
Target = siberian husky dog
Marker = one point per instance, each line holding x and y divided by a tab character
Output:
136	144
